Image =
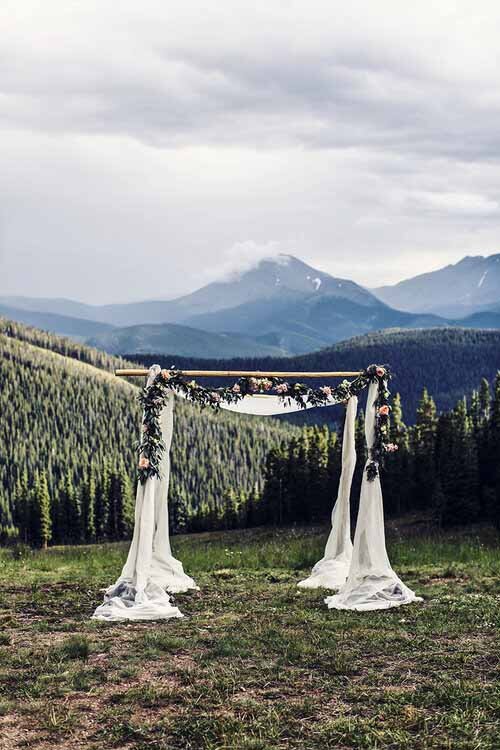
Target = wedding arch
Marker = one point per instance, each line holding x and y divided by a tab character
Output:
359	572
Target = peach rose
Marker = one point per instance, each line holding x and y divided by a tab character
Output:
383	411
165	374
380	372
236	388
326	390
143	462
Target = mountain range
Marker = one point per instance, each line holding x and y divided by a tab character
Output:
472	285
282	306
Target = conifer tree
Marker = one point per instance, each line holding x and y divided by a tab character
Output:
102	502
71	511
41	528
230	510
462	498
424	441
21	506
87	505
397	480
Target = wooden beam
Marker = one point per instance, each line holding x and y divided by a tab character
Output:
242	374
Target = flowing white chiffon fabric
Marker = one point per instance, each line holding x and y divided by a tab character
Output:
372	583
332	570
140	593
266	405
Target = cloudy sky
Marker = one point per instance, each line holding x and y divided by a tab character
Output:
147	147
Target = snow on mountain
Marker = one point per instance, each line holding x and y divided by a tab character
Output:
466	287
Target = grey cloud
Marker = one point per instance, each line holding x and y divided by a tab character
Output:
365	142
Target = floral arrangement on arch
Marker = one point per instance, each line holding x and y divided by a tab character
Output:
154	398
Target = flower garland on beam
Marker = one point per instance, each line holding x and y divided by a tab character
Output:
154	398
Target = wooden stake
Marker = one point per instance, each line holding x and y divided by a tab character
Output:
242	374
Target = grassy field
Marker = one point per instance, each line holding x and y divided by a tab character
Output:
256	663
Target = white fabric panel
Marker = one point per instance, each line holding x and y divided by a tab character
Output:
150	569
332	570
372	583
266	405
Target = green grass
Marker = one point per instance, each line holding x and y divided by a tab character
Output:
256	664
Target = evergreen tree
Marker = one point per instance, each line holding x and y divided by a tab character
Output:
101	504
70	510
397	479
424	443
462	498
317	460
87	506
21	506
41	528
230	517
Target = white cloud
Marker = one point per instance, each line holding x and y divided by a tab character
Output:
148	147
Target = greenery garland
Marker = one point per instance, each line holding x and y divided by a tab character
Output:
154	398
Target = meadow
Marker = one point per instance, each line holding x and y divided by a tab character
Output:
256	664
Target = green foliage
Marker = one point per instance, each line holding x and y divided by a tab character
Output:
79	424
40	527
446	464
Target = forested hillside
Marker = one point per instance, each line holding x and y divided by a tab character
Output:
450	362
446	466
67	437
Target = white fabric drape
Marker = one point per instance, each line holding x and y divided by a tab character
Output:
150	570
372	583
332	570
267	404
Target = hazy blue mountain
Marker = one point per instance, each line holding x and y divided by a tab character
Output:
283	305
281	278
76	328
183	340
309	323
471	285
54	305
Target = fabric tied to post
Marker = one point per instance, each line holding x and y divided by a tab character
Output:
140	593
332	570
372	583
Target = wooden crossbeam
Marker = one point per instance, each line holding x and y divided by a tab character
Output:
242	374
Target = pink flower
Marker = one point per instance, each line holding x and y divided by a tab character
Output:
215	396
165	374
380	372
326	390
236	388
282	388
143	462
253	384
383	411
391	447
266	384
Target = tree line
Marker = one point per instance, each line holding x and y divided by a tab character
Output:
446	463
67	455
68	424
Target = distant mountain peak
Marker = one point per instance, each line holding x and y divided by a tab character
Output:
458	289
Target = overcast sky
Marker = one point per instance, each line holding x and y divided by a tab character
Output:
147	147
